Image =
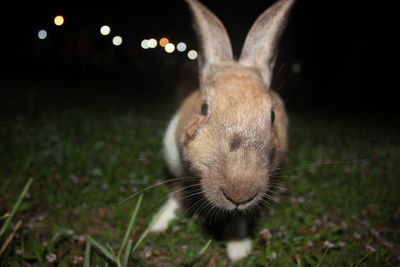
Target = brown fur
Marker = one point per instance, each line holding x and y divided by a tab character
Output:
234	148
240	106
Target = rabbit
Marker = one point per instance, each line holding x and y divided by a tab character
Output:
229	137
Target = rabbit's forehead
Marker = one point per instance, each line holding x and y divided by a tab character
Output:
240	101
240	125
237	90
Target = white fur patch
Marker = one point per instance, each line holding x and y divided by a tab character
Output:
171	151
238	249
164	215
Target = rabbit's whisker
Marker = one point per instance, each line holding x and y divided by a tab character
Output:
305	166
158	184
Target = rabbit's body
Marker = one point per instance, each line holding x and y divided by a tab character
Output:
229	137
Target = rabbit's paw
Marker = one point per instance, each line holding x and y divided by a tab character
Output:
166	214
238	249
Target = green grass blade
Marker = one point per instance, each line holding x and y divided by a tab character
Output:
131	223
140	240
127	254
102	249
116	259
87	254
204	248
16	206
144	234
4	216
323	257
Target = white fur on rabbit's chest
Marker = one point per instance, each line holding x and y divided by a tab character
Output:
171	151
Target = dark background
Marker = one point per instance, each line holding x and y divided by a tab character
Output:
346	49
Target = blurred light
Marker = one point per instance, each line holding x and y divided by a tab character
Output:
181	47
117	40
169	48
296	67
152	43
145	44
192	54
59	20
164	41
105	30
42	34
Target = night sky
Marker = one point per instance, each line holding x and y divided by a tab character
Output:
344	53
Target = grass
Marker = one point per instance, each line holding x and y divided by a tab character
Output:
125	251
86	160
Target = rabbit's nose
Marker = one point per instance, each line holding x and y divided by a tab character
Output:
238	199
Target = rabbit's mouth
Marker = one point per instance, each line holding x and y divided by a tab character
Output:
239	203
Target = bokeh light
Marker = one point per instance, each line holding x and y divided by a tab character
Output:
59	20
145	44
181	47
169	48
192	54
296	67
42	34
117	40
163	41
105	30
152	43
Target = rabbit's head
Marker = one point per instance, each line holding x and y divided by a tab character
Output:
235	135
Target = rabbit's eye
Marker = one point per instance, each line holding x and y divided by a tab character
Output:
272	117
204	109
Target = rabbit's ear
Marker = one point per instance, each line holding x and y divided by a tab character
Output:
214	40
259	49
